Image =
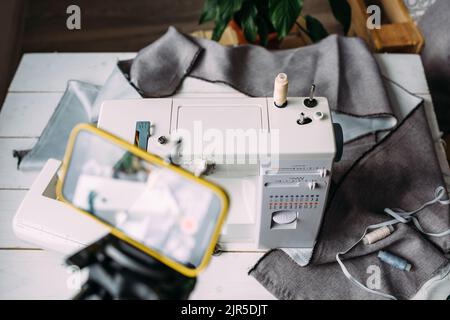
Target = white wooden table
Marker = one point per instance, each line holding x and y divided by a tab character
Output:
27	272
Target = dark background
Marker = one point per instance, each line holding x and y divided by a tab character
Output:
106	26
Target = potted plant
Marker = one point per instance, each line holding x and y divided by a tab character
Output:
265	21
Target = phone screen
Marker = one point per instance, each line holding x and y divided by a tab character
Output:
168	212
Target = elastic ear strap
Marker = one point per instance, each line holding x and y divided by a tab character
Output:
399	216
347	273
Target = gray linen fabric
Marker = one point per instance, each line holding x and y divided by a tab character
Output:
435	26
74	107
343	70
80	103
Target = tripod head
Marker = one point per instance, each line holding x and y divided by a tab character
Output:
118	270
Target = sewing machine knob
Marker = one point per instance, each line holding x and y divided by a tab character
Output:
302	119
163	140
318	115
284	217
312	185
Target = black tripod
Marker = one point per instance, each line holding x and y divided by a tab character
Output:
119	271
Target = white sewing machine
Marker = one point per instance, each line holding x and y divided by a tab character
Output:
274	162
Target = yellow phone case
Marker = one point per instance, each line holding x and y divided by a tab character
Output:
190	272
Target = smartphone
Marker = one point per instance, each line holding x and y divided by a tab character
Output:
159	208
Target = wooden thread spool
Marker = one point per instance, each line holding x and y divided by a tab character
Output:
280	90
378	234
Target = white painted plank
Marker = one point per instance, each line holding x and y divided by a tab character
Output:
33	274
226	278
27	114
49	72
405	69
39	274
10	177
10	201
41	72
26	274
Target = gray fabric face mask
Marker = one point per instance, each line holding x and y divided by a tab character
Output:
80	103
74	107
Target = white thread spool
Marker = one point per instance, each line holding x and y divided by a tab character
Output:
280	90
378	234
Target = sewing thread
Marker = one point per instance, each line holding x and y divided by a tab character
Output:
400	216
394	261
280	90
378	234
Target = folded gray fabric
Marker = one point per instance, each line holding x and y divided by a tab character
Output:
74	107
343	70
80	103
435	26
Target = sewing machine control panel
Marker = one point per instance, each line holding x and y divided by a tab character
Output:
294	193
292	206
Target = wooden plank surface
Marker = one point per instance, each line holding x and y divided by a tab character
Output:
226	278
25	115
49	72
9	202
10	177
38	85
34	274
37	274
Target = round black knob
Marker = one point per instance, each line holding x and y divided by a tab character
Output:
162	140
310	103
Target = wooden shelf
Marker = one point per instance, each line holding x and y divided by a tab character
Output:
398	33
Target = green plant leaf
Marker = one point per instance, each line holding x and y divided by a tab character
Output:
209	11
283	14
263	30
316	30
218	30
247	20
342	12
224	12
227	8
263	13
